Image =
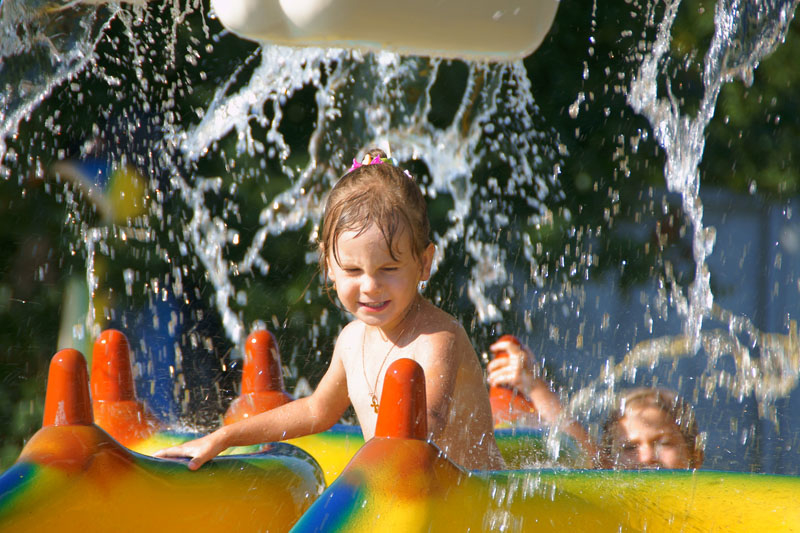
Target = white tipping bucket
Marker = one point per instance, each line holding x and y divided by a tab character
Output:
487	30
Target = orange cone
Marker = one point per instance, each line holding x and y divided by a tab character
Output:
403	413
113	396
262	379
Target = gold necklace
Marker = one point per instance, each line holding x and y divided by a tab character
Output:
373	390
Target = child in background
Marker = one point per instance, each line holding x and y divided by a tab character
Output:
651	428
375	249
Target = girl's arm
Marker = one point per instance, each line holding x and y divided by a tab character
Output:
519	371
311	414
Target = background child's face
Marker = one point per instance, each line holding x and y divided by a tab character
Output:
648	437
370	283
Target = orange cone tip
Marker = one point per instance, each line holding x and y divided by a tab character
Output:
403	409
262	379
67	399
262	363
111	368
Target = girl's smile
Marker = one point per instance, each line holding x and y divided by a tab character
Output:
374	307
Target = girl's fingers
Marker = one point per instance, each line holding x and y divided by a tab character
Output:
174	451
503	346
514	351
511	365
515	370
197	455
497	364
196	463
517	353
505	376
498	377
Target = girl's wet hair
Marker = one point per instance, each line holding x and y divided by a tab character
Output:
678	409
380	194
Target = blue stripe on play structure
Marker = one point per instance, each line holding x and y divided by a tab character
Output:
332	510
12	483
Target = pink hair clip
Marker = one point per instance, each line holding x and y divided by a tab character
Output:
377	161
366	161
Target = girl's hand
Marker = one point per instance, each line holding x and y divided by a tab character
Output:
199	450
518	370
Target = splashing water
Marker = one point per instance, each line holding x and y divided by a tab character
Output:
386	116
491	163
745	32
41	50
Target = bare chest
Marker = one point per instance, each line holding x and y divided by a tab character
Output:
365	371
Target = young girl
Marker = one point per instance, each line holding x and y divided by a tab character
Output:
375	249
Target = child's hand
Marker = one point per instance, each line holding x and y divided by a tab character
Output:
199	450
517	370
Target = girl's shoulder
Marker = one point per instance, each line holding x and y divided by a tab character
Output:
442	331
437	320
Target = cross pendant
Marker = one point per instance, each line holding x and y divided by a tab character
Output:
374	404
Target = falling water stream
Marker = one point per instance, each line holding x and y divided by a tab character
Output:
203	127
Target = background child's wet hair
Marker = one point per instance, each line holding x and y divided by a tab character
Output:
380	194
678	409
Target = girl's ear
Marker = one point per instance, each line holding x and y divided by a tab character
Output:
328	271
427	262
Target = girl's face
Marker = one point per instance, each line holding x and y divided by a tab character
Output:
373	286
649	438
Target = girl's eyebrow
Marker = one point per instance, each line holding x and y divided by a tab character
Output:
343	263
347	265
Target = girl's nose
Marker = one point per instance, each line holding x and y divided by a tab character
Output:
647	454
369	284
